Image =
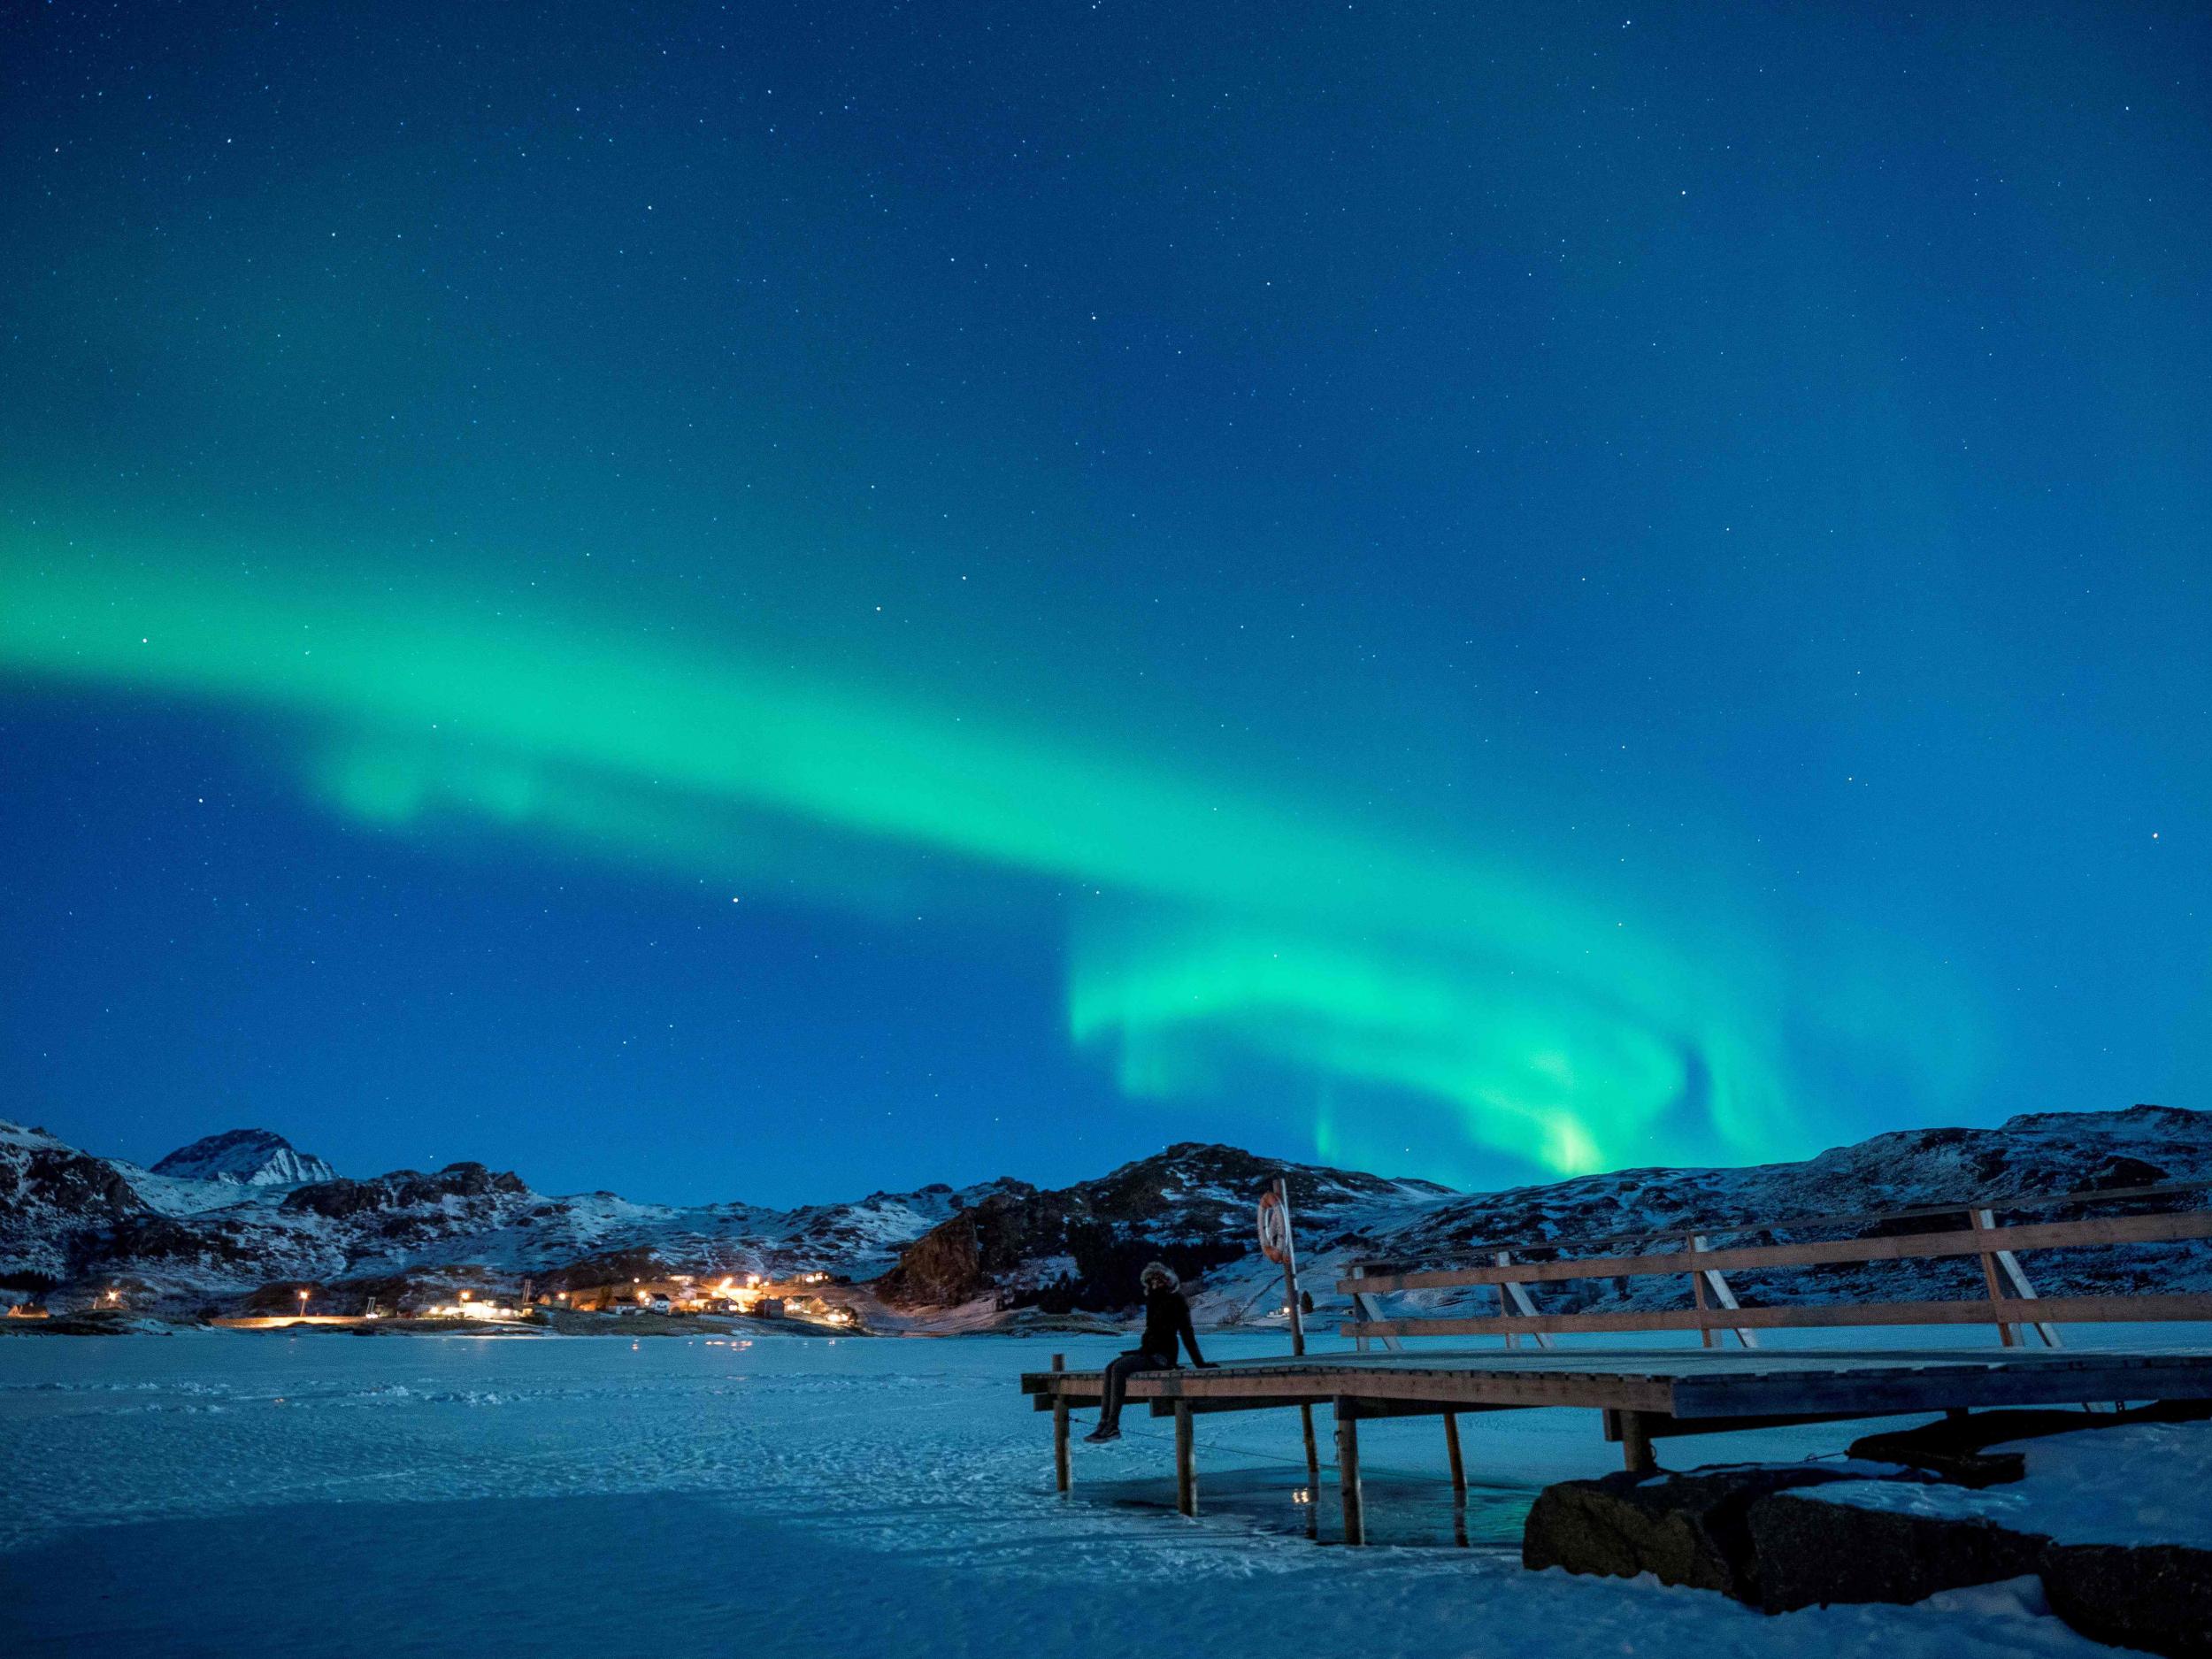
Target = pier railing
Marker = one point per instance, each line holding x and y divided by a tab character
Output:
2012	1303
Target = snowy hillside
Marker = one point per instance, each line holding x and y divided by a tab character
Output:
74	1225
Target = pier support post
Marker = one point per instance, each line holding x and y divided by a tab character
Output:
1347	1469
1186	1462
1451	1450
1313	1449
1060	1430
1636	1452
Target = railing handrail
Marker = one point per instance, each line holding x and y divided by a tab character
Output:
1386	1266
2175	1226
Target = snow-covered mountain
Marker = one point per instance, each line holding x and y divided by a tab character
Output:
235	1229
214	1223
252	1157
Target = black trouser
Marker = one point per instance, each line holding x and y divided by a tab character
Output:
1118	1373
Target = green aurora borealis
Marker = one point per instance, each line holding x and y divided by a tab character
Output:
1540	1028
754	604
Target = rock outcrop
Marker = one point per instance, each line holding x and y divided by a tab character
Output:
1767	1536
1689	1529
1809	1553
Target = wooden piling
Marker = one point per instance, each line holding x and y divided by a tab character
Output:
1313	1448
1185	1461
1636	1452
1060	1469
1347	1469
1451	1449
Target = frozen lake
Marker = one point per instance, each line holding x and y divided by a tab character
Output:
328	1493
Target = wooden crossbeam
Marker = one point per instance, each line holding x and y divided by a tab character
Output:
2055	1310
1165	1407
2055	1235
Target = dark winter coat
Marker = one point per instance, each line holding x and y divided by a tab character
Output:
1166	1318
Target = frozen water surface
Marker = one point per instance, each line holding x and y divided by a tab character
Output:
329	1493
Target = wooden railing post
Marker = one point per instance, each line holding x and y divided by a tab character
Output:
1521	1302
1697	1289
1982	1221
1505	1307
1721	1292
1368	1307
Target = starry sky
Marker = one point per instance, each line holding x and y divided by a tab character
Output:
771	601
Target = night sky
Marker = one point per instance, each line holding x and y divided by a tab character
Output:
767	601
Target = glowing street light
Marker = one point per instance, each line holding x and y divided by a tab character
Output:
302	1296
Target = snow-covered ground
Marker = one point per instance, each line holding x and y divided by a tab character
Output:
2145	1483
326	1493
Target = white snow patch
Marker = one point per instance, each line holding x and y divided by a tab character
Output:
2139	1483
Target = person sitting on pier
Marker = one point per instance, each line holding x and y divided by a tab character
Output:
1166	1318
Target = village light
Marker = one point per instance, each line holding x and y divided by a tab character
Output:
303	1300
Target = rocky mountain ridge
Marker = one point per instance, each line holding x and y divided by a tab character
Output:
72	1225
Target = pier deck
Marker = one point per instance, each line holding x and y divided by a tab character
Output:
1645	1393
1691	1385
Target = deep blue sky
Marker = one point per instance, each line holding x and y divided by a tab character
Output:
1474	592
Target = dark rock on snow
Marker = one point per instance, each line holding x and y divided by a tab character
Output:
1810	1554
1688	1529
2157	1597
1755	1533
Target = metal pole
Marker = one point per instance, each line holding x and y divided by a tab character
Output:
1297	1324
1290	1271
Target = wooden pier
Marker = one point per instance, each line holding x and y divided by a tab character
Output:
1647	1395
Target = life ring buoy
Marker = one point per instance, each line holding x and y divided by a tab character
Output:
1274	1227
